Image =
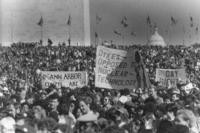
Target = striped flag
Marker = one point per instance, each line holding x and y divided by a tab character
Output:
40	23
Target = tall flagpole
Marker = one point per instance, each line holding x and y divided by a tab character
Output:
69	39
183	35
12	35
69	29
41	29
147	32
95	41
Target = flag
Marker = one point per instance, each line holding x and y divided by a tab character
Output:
191	22
197	30
173	21
148	20
69	20
124	21
98	19
133	33
96	35
125	25
40	23
191	19
117	33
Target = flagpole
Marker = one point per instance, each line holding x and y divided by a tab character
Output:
69	30
12	36
95	40
147	34
69	35
183	35
41	29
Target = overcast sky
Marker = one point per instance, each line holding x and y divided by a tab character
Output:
22	15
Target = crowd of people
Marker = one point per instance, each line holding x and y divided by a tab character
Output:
26	107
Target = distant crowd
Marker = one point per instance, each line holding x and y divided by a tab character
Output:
26	107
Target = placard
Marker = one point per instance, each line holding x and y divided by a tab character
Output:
170	77
63	78
119	69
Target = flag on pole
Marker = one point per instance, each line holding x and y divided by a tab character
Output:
133	33
40	23
69	21
69	41
148	20
117	33
124	21
197	30
191	19
98	19
173	21
191	22
96	35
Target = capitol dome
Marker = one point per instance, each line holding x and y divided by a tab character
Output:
156	39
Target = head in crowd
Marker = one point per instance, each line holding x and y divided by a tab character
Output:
84	105
186	118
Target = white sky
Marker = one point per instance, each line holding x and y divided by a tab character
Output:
22	16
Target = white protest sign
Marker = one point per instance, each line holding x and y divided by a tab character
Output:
116	69
62	78
170	77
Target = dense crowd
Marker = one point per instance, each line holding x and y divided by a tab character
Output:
26	107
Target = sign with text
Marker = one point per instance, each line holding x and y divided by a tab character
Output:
170	77
62	78
116	69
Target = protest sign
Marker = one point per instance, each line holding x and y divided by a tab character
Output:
63	78
170	77
119	69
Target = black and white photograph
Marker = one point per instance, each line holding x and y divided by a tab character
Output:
99	66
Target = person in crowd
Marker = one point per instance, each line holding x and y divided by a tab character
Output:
53	104
106	103
157	109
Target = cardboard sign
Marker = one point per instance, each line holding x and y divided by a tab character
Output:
117	69
65	79
170	77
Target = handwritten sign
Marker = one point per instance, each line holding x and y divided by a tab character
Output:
116	69
170	77
63	78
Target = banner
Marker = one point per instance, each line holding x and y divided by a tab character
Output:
119	69
63	78
170	77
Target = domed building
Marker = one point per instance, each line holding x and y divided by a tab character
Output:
156	39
